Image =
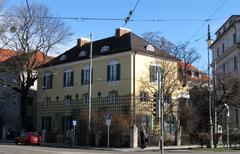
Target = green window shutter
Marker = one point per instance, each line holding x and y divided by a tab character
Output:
64	79
151	73
82	77
72	78
92	76
44	82
108	72
118	71
51	79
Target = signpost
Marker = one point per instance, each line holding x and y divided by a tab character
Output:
108	123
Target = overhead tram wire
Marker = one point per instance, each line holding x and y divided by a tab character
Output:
127	19
207	20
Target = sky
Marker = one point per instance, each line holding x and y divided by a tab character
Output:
179	21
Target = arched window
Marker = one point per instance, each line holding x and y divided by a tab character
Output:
82	53
150	48
105	49
63	57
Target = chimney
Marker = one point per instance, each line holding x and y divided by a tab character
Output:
121	31
82	41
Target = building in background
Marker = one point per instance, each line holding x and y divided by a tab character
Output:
226	69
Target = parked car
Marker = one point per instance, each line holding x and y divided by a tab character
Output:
29	138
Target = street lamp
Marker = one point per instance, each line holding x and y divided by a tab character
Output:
227	115
210	41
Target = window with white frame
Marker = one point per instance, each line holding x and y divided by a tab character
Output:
68	78
47	101
113	95
63	57
85	75
82	53
47	81
113	71
85	98
67	100
104	49
144	95
154	72
150	48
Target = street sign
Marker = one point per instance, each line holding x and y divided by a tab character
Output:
74	122
108	119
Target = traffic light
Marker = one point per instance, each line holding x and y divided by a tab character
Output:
155	101
156	105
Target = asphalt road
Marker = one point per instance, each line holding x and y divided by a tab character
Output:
22	149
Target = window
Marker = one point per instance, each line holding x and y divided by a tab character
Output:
144	95
234	38
223	68
63	57
113	72
154	73
105	49
67	123
46	123
235	63
113	96
82	53
85	77
47	101
149	48
68	78
218	52
168	98
68	100
223	47
47	81
85	98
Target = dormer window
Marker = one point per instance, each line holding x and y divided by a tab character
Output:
150	48
82	53
63	57
105	49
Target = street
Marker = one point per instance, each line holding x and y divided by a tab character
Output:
22	149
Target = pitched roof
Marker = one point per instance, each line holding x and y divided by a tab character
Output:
126	42
31	59
5	54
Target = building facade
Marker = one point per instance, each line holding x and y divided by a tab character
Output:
226	67
124	81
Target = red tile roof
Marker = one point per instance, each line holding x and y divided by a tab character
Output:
5	54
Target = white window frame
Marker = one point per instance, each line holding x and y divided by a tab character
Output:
113	95
113	70
47	81
149	47
144	96
67	100
85	98
68	78
63	57
86	77
82	53
105	49
47	101
155	76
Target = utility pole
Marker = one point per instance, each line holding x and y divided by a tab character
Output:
160	109
209	41
90	94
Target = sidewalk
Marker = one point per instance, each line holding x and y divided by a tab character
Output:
57	145
185	147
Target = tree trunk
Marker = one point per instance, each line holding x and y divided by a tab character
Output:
23	117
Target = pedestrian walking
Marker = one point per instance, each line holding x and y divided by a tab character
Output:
142	138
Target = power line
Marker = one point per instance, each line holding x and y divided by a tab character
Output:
207	20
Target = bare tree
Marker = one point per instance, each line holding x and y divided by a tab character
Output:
34	34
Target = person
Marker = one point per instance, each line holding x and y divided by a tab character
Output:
142	138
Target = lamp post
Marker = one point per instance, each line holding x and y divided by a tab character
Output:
160	109
210	41
90	95
227	115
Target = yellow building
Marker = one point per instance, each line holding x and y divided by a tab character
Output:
124	80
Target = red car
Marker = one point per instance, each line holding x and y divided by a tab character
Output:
29	138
